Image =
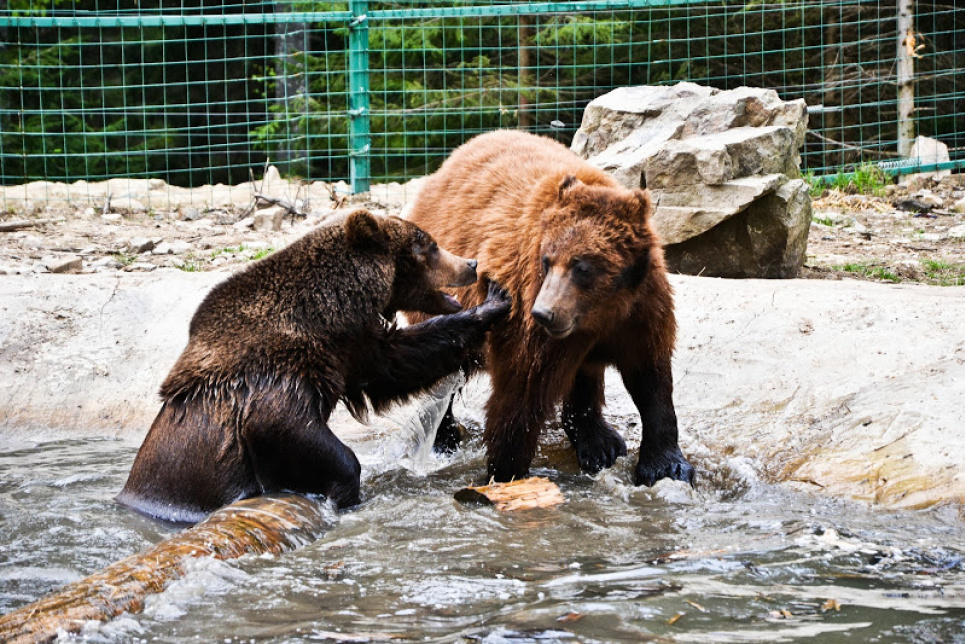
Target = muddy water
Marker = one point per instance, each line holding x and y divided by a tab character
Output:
737	561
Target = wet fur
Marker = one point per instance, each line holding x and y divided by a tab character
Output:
509	198
275	347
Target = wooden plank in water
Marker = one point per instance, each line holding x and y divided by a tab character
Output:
524	494
265	524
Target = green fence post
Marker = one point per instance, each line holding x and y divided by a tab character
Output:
360	139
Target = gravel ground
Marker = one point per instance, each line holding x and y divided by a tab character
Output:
912	232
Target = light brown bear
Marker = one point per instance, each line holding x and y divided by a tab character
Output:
589	289
272	349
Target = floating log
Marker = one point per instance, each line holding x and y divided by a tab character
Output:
265	524
524	494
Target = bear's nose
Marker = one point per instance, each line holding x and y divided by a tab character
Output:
543	316
472	263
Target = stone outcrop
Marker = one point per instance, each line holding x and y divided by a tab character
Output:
724	169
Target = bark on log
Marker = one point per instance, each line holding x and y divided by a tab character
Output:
524	494
259	525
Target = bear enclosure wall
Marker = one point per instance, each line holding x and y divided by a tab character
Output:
197	92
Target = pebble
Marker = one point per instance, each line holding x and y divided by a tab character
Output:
957	232
112	218
244	223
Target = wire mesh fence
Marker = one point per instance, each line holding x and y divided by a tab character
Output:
375	92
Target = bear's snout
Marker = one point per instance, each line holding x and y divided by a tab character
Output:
555	306
455	271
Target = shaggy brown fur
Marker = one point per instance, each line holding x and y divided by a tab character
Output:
273	349
589	290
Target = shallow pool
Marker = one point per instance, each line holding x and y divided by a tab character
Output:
737	561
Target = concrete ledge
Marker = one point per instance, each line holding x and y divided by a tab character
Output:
850	388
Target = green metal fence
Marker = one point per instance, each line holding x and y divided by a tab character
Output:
372	92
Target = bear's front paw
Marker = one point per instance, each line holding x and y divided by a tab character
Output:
670	464
598	447
498	302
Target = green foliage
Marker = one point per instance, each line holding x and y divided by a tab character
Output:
944	273
871	271
827	221
261	252
867	179
227	250
191	264
125	259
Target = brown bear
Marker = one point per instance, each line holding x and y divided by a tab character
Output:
589	290
272	349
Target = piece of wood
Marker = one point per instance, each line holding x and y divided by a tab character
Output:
265	524
20	224
524	494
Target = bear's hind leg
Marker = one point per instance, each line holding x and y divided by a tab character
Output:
292	448
597	444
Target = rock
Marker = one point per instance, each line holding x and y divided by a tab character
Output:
268	219
776	249
930	198
69	264
179	247
140	245
186	213
140	267
244	224
913	204
106	262
959	205
723	167
127	205
111	218
957	232
164	248
928	151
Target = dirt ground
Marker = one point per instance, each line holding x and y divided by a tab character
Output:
913	231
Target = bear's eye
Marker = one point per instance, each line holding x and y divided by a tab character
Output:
545	264
582	273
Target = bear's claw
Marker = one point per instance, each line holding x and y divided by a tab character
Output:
671	464
599	449
498	301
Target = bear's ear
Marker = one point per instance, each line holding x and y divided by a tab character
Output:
645	203
362	230
569	182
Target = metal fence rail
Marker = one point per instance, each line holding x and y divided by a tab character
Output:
368	91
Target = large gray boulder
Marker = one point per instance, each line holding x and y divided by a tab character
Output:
723	167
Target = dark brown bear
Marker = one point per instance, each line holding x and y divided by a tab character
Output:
589	288
274	348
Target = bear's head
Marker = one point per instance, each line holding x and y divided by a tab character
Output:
596	249
420	268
